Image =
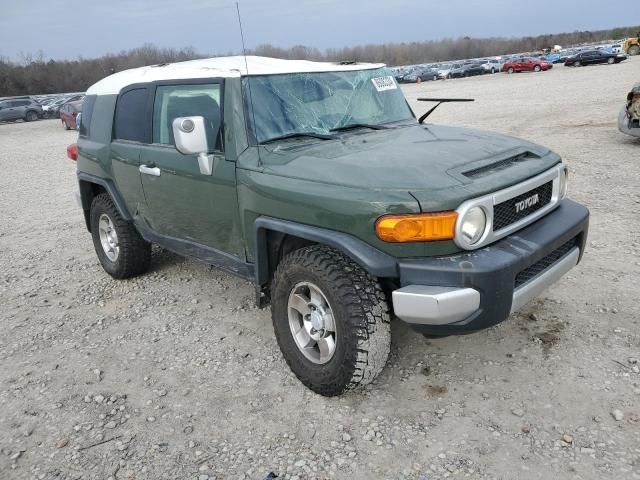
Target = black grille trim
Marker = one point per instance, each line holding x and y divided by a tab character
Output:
541	265
504	213
497	166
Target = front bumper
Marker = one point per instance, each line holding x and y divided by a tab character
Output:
474	290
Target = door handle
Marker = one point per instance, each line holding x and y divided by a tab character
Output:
155	171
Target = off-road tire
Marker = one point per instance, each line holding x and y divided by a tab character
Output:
30	116
134	256
360	311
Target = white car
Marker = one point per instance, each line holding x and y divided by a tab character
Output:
493	66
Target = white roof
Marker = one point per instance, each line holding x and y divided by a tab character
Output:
217	67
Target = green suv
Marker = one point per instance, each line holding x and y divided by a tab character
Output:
316	182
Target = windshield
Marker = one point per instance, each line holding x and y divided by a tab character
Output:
320	103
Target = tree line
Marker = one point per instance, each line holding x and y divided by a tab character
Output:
35	75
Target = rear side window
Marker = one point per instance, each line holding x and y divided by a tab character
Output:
131	116
87	113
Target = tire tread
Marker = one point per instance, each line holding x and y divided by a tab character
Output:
368	317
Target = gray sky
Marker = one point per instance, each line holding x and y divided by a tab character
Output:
90	28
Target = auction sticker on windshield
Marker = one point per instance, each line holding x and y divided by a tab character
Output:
384	83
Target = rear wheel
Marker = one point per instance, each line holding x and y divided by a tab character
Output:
31	116
536	68
511	70
121	250
331	320
634	50
577	64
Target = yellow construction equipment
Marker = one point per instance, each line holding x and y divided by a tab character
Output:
631	46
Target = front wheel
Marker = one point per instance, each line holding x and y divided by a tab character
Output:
331	320
536	68
611	60
31	116
511	70
121	250
577	64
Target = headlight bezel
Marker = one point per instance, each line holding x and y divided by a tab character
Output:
463	217
563	183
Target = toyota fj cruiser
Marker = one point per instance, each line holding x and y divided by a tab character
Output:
316	181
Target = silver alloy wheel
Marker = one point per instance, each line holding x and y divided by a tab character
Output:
108	238
311	322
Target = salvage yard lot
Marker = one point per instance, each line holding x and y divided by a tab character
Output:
177	375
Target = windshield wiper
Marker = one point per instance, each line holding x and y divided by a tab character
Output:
352	126
321	136
439	102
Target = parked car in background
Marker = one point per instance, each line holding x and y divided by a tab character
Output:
492	66
629	118
23	108
466	70
68	113
552	57
53	111
593	57
526	65
420	75
445	69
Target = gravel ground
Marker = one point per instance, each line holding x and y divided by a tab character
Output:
177	375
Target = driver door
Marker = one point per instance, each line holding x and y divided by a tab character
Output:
183	203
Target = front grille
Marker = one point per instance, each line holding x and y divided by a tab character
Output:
541	265
497	166
517	208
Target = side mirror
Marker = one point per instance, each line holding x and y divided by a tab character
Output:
191	138
190	135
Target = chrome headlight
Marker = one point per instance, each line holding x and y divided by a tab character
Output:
564	182
471	227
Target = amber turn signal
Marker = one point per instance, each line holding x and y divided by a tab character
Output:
421	227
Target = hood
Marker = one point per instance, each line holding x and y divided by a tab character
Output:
432	162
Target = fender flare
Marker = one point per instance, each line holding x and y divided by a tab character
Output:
86	194
372	260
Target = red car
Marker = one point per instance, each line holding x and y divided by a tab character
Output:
526	65
68	113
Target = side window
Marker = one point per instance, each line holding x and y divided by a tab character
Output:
87	113
131	116
173	101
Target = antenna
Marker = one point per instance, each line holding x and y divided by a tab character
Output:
246	66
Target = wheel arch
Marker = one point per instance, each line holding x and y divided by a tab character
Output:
92	186
276	238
